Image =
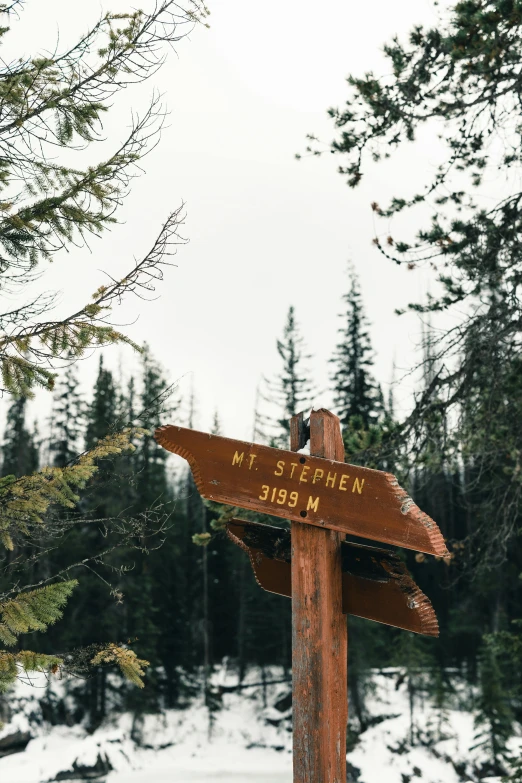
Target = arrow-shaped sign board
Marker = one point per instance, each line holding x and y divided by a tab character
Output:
298	487
376	584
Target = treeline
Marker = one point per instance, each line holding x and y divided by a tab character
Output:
184	608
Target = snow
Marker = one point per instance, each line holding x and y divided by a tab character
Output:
244	743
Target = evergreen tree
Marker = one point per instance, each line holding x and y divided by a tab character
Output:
19	452
440	690
152	602
258	430
414	659
102	420
97	603
216	424
67	421
458	78
494	717
461	445
292	391
515	775
157	403
102	414
356	393
52	107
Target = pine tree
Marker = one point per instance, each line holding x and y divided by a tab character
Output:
292	391
366	423
414	659
102	500
441	690
356	393
151	588
151	602
103	419
19	452
52	108
494	717
216	424
102	414
67	421
197	596
515	774
157	403
453	79
258	429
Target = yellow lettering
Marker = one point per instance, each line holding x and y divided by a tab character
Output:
281	497
313	504
343	481
303	474
280	466
264	494
292	503
318	474
237	459
294	465
330	479
359	486
251	457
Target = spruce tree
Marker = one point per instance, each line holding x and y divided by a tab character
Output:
19	452
102	414
101	500
462	442
157	402
196	533
413	656
356	393
68	420
150	600
494	716
458	79
292	390
51	109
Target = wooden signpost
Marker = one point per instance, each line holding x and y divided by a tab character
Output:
320	489
326	577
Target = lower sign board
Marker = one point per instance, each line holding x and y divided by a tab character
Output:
376	584
313	490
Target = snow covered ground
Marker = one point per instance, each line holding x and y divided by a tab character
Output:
248	742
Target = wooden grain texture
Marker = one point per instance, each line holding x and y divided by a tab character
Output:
376	584
320	491
319	635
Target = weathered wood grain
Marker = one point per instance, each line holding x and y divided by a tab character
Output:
319	634
319	491
376	584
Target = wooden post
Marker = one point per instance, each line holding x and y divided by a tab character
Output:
319	633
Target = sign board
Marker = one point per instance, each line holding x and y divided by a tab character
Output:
375	582
295	486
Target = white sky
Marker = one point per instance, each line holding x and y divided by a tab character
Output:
265	230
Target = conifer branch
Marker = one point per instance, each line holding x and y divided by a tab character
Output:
25	500
130	665
14	666
70	337
33	611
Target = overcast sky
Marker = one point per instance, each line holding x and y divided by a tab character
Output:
265	230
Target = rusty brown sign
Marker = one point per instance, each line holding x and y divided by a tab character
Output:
376	584
314	490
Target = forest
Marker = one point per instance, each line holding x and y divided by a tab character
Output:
160	574
115	575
